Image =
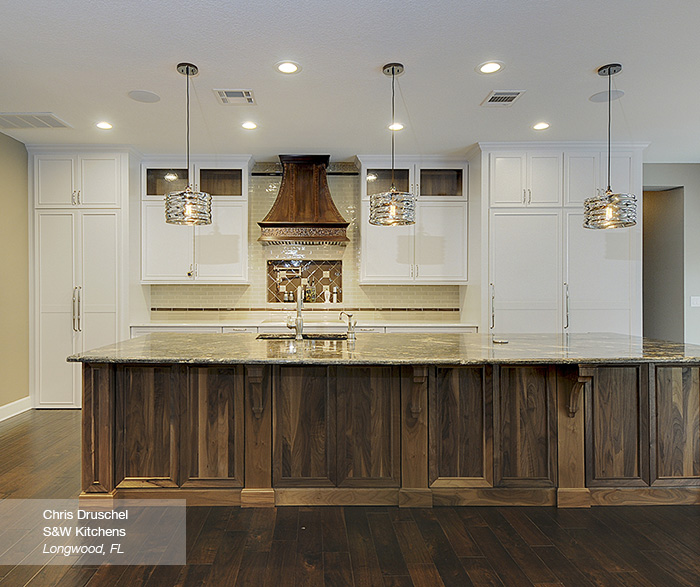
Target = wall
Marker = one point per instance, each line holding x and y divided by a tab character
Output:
14	285
687	176
663	280
379	301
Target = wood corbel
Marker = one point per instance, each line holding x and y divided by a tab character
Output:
585	375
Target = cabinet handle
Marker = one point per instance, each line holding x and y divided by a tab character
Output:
529	196
566	290
75	292
190	273
79	198
417	270
411	270
493	306
73	197
524	196
80	309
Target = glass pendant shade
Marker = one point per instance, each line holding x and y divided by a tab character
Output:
392	208
610	211
188	207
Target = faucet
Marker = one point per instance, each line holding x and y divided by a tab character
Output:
351	325
298	322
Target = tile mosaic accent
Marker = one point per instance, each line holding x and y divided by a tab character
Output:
345	190
315	277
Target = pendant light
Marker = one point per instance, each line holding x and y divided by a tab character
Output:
392	208
610	210
188	207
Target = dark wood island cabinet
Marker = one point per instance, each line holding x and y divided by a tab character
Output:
448	419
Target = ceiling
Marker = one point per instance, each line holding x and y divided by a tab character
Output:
79	60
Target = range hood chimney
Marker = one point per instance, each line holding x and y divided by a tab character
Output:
304	212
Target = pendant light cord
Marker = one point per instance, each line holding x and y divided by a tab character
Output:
188	124
393	132
609	121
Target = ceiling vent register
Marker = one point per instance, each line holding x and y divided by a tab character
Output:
235	97
502	98
22	120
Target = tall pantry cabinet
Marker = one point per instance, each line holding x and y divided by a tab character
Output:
78	274
541	270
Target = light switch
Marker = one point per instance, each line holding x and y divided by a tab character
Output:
695	301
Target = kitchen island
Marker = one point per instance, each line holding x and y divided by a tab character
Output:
393	419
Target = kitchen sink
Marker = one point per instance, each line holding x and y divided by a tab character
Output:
307	336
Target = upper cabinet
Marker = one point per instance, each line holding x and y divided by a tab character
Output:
214	253
522	179
434	250
79	180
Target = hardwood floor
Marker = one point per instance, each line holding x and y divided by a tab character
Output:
364	546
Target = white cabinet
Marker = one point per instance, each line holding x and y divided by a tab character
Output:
581	176
600	281
525	271
86	180
214	253
431	329
525	178
77	292
432	251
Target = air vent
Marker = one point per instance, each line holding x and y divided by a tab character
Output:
21	120
235	97
502	98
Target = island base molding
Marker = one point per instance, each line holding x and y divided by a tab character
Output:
521	434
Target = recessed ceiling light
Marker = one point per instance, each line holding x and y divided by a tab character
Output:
396	126
143	96
490	67
603	96
541	126
249	125
288	67
103	125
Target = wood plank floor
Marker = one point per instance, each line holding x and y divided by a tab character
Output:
364	546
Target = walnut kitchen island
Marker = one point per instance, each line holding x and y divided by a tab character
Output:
393	419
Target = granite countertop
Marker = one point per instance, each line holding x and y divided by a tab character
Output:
390	349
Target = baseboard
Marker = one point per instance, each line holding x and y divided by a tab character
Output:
14	408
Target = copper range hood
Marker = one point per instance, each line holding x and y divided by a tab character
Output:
304	212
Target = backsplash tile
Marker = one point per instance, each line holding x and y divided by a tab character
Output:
345	190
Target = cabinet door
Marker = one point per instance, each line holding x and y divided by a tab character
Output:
621	172
221	248
387	252
441	242
617	427
99	181
507	179
219	183
304	428
581	177
461	427
212	451
525	271
54	180
57	383
442	183
368	426
599	278
525	447
99	270
544	172
167	250
378	179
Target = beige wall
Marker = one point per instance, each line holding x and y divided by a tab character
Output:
14	284
687	176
